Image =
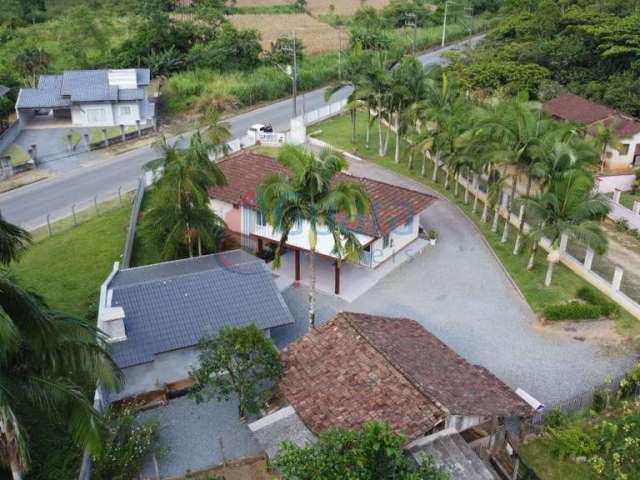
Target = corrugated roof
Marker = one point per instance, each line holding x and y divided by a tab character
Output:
172	305
35	98
391	206
131	94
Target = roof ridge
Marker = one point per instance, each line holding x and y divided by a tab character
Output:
399	369
180	260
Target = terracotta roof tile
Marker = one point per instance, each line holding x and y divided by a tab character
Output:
581	110
360	367
392	206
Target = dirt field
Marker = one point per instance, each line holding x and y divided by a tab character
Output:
318	7
249	469
317	36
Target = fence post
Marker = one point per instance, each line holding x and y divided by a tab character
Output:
617	278
636	207
49	224
122	133
105	139
616	195
95	204
564	239
120	195
73	212
588	259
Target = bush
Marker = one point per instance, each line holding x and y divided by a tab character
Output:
599	401
622	225
594	297
571	441
572	311
555	418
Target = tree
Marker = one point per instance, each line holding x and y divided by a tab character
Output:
216	131
239	361
605	136
309	195
374	452
180	216
569	207
31	62
48	361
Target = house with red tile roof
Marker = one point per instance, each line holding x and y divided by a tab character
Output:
358	368
573	108
392	224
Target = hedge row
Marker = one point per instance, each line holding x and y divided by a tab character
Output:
572	311
594	297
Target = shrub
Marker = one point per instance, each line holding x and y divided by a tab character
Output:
599	401
571	441
594	297
555	418
572	311
622	225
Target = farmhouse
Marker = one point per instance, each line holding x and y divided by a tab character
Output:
392	225
359	368
89	98
576	109
155	315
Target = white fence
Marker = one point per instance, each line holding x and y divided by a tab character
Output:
611	183
325	112
620	212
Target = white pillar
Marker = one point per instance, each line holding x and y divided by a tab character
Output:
617	278
616	195
636	207
564	239
588	259
521	214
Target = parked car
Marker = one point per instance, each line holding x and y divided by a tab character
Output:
258	130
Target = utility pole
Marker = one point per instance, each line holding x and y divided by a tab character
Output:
411	21
468	14
340	54
444	23
292	71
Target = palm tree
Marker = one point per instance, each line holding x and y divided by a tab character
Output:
180	215
47	360
309	194
605	135
216	132
569	207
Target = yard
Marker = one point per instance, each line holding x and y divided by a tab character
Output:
537	456
17	153
317	7
627	199
68	268
338	132
96	135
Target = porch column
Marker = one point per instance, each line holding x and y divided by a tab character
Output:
297	262
259	246
337	278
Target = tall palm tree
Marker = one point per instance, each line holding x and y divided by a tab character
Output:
180	217
605	135
47	361
569	207
310	195
216	133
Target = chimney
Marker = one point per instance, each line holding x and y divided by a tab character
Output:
111	322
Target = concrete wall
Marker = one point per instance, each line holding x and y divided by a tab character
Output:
617	161
9	135
609	183
112	114
121	117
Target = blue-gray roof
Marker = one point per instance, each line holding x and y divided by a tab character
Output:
80	86
170	306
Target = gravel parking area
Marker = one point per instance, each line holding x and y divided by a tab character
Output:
459	292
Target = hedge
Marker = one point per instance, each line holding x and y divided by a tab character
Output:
572	311
594	297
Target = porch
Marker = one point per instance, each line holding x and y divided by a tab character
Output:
348	281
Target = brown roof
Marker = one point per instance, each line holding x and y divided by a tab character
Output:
580	110
391	206
361	367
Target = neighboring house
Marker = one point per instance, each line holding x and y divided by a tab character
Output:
585	112
155	315
90	98
358	368
393	223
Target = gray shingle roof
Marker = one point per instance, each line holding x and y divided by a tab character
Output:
80	86
172	305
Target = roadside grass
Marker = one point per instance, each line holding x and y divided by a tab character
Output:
337	132
536	454
144	253
68	268
17	153
95	134
627	199
75	136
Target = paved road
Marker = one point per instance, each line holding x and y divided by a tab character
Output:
102	175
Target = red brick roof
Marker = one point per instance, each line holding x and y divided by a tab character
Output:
361	367
391	206
580	110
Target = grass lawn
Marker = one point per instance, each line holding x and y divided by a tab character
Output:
68	268
337	131
266	151
627	199
17	153
95	134
143	252
537	456
75	136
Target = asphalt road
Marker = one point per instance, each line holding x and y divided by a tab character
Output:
103	176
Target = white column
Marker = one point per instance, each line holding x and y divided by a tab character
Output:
616	195
564	239
521	214
588	259
617	278
636	207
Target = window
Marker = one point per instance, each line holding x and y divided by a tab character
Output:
260	220
125	111
386	241
624	149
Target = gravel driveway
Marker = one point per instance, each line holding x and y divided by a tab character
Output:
460	293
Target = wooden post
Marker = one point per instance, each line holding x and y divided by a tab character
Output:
297	262
337	278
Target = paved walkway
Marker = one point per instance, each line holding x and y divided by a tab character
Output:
459	292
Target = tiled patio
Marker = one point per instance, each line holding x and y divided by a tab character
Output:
355	280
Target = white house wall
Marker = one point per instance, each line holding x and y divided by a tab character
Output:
120	115
399	239
81	114
618	161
